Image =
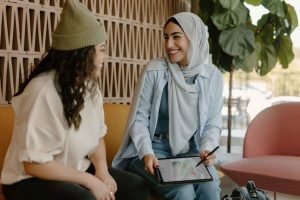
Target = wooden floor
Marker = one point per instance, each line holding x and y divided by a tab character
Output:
280	196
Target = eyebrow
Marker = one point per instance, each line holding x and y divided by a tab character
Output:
174	33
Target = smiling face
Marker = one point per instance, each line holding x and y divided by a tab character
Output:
176	44
100	50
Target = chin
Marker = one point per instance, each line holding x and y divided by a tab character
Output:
97	73
174	60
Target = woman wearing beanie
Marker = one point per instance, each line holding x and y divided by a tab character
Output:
176	110
57	150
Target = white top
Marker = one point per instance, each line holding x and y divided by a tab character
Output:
41	132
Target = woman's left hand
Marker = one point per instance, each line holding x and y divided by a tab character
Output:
108	180
209	159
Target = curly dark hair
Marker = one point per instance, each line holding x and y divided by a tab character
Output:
73	68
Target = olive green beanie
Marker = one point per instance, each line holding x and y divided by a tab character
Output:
77	28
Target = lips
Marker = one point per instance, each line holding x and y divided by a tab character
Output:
172	52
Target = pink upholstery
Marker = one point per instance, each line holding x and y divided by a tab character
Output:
271	156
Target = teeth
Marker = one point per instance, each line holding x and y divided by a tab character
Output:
173	51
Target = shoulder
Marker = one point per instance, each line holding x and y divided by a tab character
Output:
43	86
215	79
211	71
210	77
40	90
41	82
157	64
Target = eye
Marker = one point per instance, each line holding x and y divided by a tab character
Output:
176	36
102	49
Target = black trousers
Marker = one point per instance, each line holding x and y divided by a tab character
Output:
130	187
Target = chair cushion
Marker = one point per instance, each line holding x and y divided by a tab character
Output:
274	173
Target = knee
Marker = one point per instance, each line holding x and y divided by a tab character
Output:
83	194
211	186
208	190
138	189
182	192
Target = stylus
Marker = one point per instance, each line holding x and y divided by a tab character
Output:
202	160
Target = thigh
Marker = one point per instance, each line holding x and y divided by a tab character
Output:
37	189
176	192
209	190
130	185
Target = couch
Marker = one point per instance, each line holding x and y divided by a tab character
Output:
6	126
115	118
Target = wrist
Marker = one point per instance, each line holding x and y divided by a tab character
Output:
101	173
88	179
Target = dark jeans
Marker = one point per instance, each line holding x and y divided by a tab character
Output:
130	187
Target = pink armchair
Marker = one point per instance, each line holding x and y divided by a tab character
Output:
271	154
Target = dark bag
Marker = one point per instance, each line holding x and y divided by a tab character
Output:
250	192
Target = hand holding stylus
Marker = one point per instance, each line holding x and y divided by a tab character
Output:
210	153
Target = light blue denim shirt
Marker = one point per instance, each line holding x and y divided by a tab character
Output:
210	87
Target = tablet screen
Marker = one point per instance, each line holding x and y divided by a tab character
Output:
179	170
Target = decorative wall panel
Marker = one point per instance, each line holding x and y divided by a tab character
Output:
135	36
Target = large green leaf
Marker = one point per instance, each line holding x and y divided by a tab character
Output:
292	17
229	4
267	33
222	20
238	41
250	62
275	7
284	49
254	2
263	21
226	18
268	59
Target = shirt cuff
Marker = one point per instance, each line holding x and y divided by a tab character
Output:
144	151
33	156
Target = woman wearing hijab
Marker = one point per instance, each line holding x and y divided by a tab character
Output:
176	110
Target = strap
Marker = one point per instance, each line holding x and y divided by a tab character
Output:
252	189
227	197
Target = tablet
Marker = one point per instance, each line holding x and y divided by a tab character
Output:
182	170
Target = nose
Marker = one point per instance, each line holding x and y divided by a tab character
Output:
169	43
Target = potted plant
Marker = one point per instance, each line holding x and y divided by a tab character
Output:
236	43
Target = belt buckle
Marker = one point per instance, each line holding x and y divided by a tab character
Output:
161	136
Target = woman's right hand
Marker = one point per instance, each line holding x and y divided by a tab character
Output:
150	162
100	190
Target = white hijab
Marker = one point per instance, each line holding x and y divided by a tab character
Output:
183	97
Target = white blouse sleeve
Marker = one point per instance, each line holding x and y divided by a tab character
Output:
40	125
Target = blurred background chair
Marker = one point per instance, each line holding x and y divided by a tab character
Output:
271	151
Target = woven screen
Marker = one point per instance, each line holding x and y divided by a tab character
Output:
135	36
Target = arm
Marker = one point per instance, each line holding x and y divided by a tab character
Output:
98	159
139	132
212	127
